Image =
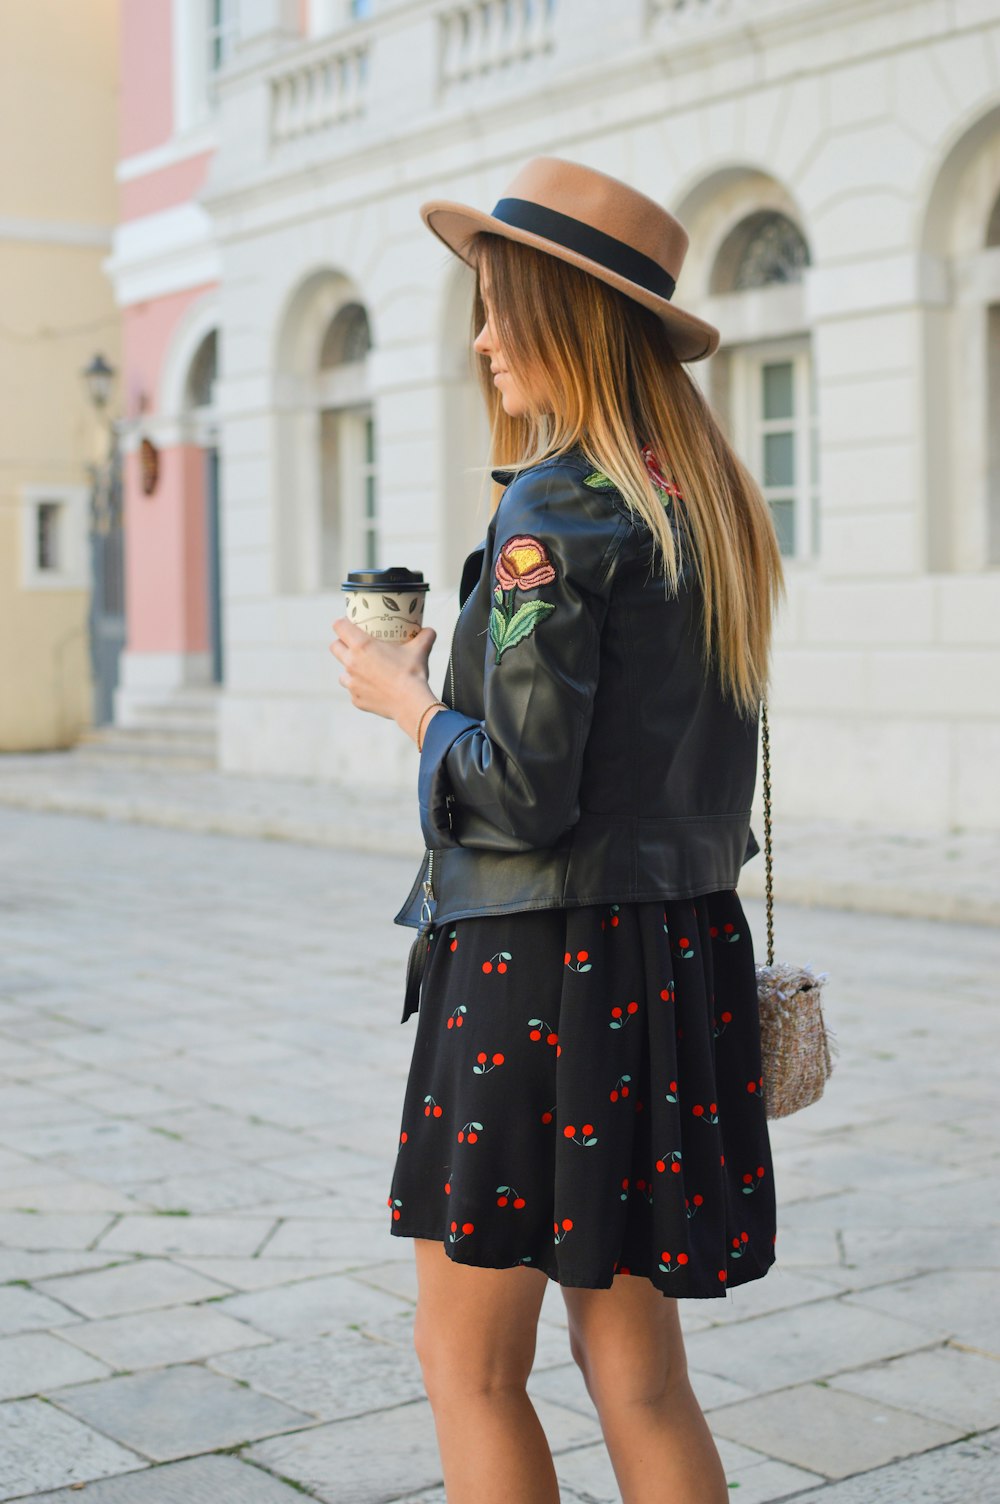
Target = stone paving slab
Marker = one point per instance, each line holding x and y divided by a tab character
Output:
191	1235
145	1339
948	1384
315	1307
201	1480
946	1303
807	1342
827	1430
40	1448
140	1285
28	1310
258	1273
333	1377
964	1473
174	1412
36	1362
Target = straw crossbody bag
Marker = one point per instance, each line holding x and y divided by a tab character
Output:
796	1046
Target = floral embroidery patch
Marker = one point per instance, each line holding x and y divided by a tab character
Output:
523	563
598	481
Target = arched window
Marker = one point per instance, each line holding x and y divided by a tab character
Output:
770	390
202	376
350	532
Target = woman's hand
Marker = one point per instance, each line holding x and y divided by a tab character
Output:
387	679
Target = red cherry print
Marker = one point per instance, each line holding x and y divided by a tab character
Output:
673	1086
487	967
461	1136
459	1021
558	1050
614	926
682	1258
624	1091
661	1166
567	1224
567	958
625	1184
468	1227
498	1060
535	1034
744	1237
676	1168
427	1112
518	1203
633	1007
453	945
454	1227
451	1023
501	1201
728	928
751	1086
747	1178
736	1242
587	1129
713	931
396	1214
711	1106
684	942
760	1170
501	967
546	1117
552	1039
403	1137
722	1274
614	1096
722	1159
727	1017
640	1185
698	1110
665	994
665	1256
447	1187
481	1057
698	1200
582	956
569	1131
616	1013
473	1137
438	1110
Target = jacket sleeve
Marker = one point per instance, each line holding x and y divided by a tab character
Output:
510	782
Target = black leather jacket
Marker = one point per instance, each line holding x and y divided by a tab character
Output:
588	757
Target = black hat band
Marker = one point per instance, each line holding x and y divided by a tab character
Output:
573	235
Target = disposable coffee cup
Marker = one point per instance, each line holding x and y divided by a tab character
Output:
386	603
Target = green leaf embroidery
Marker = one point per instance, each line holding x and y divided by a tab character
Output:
521	624
497	624
598	481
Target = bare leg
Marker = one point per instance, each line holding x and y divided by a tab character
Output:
475	1337
630	1348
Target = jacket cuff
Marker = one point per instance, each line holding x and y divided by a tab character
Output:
752	847
443	731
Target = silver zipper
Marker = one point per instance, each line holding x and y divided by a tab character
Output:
426	913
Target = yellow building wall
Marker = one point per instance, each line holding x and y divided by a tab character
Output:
58	203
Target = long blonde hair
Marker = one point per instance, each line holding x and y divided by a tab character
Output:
613	383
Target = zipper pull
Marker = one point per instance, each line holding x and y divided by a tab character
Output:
426	913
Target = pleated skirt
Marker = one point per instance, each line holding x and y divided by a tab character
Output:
585	1097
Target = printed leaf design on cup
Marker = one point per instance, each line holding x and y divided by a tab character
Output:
389	603
523	563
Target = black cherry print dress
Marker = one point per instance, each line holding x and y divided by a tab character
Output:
585	1097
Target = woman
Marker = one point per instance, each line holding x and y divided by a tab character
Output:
584	1098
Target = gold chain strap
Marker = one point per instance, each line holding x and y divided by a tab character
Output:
768	869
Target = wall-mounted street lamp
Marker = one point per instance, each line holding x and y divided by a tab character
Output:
98	377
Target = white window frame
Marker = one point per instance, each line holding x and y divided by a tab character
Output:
357	544
73	572
194	78
749	428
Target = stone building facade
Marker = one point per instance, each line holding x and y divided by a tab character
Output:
301	338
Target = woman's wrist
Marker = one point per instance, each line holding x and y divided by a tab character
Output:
416	709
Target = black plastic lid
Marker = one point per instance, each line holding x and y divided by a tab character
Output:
395	578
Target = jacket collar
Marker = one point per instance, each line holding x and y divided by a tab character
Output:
504	475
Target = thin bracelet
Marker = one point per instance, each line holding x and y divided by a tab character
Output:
434	705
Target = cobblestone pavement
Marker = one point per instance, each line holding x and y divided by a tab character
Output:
202	1071
823	863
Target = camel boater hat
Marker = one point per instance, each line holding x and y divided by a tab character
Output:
595	222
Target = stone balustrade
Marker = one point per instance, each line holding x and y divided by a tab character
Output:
324	90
